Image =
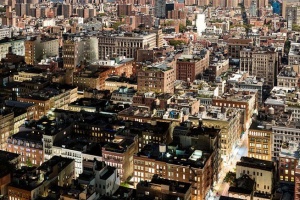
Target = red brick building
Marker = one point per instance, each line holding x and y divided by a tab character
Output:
190	66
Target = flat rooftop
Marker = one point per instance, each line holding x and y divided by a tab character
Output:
256	163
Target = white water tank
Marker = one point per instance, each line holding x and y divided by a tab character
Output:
271	110
162	148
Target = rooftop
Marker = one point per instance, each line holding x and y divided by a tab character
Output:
118	145
186	157
107	172
256	163
170	185
238	95
290	150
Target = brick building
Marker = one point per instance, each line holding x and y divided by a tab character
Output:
191	66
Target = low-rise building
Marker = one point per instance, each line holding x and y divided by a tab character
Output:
29	145
191	167
189	67
157	78
30	183
287	77
262	171
123	95
228	120
115	82
164	189
241	99
288	160
53	96
251	83
9	161
119	154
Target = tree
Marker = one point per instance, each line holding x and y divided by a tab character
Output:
182	28
230	177
29	163
295	27
188	23
116	25
287	46
176	42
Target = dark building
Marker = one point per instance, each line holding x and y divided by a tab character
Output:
164	189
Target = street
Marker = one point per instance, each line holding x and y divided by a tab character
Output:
221	188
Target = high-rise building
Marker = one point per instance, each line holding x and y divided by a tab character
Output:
292	12
253	9
72	53
160	8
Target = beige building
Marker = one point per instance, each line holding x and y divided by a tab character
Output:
87	80
228	120
259	141
158	78
7	127
119	154
17	47
287	77
46	101
294	56
262	63
113	84
262	171
72	53
27	76
37	48
127	44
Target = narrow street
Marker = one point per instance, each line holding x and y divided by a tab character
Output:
221	188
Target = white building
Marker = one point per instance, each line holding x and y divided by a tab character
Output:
17	47
200	24
107	180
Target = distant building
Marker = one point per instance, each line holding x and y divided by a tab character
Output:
127	44
160	9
